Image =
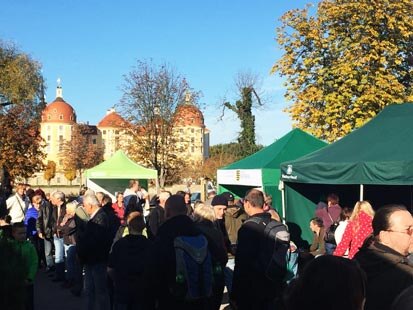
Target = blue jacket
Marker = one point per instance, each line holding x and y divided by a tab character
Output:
30	220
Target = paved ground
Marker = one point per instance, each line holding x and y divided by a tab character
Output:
50	296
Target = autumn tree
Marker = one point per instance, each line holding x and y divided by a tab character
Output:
50	171
21	103
221	155
151	94
82	151
345	62
70	175
248	97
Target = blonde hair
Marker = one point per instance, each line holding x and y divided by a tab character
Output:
204	212
364	206
71	207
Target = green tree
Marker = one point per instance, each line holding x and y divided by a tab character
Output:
246	84
50	171
21	103
151	94
345	62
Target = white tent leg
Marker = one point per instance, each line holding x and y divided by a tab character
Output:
361	192
281	187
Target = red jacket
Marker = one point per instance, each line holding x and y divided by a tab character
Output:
354	235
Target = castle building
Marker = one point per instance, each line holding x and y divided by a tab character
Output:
59	117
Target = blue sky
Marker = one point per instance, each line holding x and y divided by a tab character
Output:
91	44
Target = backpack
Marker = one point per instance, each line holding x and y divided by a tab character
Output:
273	257
194	280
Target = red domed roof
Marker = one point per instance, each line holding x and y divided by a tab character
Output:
188	115
112	119
59	111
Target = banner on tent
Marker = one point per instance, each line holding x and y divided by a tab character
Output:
248	177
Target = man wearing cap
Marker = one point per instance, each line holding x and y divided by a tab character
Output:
234	217
251	289
220	204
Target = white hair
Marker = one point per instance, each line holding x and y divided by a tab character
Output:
58	195
164	196
91	200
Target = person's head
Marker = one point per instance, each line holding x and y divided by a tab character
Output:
119	198
106	200
203	212
36	201
90	204
20	188
99	196
345	213
332	199
57	198
254	202
18	231
364	206
219	203
174	206
316	224
393	227
187	198
134	185
71	208
40	192
349	279
163	197
135	222
230	198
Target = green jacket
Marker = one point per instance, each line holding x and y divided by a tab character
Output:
28	252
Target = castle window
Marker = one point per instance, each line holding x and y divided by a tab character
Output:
182	140
60	128
48	128
49	138
192	130
61	117
49	117
94	141
192	140
104	132
58	180
192	149
61	162
54	110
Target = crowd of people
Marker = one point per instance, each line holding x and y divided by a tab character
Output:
180	255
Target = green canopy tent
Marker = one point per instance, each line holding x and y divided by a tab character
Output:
374	162
262	169
113	174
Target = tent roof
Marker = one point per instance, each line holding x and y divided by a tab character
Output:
120	166
294	144
380	152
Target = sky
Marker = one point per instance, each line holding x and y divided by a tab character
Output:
91	44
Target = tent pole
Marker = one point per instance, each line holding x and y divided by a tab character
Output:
282	188
361	192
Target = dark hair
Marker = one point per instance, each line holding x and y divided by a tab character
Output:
136	222
333	198
255	197
314	289
317	221
175	205
381	220
18	225
345	213
181	193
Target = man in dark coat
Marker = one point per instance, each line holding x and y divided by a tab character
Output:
251	289
157	215
160	267
44	226
58	200
93	250
384	257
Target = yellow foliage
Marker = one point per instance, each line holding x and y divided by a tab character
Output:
345	62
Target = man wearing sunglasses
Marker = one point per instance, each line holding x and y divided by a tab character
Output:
384	258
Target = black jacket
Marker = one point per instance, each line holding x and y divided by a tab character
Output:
160	266
388	274
95	241
156	219
45	220
251	288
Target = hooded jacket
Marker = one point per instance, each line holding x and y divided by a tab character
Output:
388	274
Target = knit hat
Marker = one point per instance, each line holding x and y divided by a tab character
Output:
228	195
220	200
